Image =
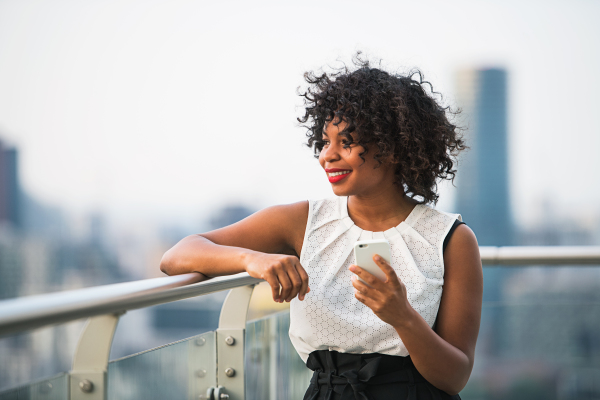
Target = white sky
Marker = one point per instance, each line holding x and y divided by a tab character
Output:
171	108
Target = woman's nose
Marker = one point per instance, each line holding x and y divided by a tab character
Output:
330	153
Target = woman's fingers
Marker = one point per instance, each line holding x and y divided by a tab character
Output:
304	277
366	276
272	280
367	301
365	290
284	281
360	286
294	274
387	269
296	282
287	279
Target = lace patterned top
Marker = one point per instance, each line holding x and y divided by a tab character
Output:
330	317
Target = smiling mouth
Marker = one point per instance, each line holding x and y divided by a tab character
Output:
337	175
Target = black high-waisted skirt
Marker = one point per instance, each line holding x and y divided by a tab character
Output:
345	376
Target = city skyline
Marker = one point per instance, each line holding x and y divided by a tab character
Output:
154	117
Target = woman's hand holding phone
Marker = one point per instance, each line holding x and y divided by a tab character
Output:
388	299
284	274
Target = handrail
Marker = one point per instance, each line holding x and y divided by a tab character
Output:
47	309
540	255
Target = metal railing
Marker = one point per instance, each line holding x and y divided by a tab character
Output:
103	305
32	312
540	255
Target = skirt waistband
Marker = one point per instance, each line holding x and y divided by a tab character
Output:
339	370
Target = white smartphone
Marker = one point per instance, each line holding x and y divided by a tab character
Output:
364	250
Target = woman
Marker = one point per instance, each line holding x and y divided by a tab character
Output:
383	143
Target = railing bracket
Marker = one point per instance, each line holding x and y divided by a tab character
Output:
230	344
90	363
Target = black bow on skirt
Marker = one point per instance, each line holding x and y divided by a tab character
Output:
346	376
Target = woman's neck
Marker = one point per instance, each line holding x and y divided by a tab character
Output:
379	212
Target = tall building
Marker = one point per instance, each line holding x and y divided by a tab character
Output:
483	196
10	255
9	187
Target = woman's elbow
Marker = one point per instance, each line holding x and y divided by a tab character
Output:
174	261
451	388
457	385
454	390
167	263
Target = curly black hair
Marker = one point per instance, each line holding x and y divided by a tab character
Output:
395	113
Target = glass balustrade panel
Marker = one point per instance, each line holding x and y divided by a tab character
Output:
539	335
181	370
273	368
55	388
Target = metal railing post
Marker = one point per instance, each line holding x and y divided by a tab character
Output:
87	377
230	344
202	368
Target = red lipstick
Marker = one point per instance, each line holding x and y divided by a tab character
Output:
337	178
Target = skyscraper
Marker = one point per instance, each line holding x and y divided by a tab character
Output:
10	260
9	187
483	189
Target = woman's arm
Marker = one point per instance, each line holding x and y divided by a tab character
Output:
444	357
266	245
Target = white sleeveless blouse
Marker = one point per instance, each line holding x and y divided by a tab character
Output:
330	317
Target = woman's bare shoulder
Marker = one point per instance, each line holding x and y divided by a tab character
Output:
295	212
462	262
275	229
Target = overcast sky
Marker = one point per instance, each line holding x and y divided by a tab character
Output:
172	108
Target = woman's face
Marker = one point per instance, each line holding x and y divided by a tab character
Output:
346	171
